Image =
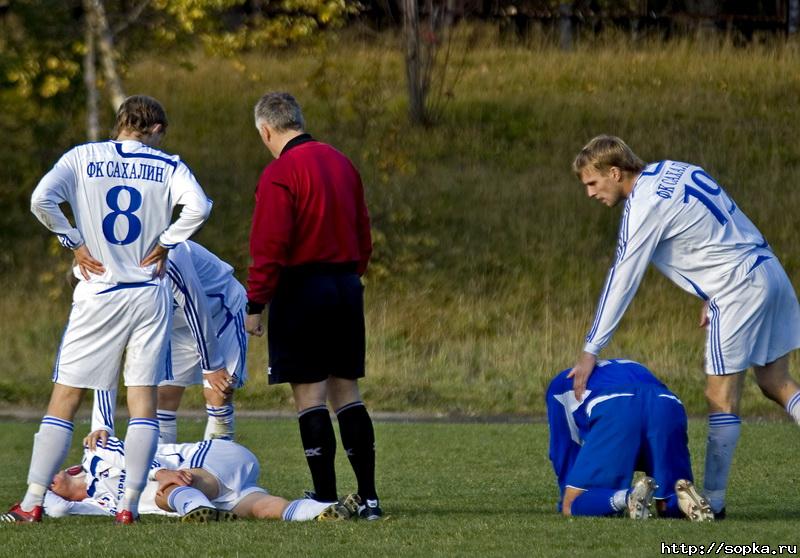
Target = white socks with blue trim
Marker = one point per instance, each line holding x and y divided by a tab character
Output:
723	434
140	448
167	426
185	499
220	425
303	510
793	407
50	448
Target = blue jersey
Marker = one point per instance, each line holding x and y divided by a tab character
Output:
571	421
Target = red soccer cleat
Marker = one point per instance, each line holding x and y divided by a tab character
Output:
17	515
125	517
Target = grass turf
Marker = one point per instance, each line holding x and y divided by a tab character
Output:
448	489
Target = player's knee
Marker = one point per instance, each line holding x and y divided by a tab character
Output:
162	498
720	401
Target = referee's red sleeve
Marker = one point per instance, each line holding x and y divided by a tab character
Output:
270	236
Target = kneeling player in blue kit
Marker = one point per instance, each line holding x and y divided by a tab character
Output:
627	421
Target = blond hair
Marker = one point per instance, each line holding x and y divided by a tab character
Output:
604	152
138	114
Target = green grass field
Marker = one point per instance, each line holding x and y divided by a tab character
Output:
488	257
449	490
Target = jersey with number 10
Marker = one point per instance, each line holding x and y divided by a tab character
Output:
122	194
679	218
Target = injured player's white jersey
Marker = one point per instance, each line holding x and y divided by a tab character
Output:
122	194
679	218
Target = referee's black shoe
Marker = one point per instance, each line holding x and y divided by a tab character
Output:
370	510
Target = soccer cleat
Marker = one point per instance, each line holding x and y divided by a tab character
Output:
125	517
17	515
225	515
720	515
691	503
370	511
352	502
640	497
334	512
205	514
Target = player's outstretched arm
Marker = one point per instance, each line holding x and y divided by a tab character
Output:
580	373
219	381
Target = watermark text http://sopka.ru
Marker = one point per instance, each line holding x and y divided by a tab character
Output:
726	549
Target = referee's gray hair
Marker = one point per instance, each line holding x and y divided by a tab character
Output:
280	111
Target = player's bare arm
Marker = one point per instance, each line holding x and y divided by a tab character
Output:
704	316
86	263
253	326
219	381
580	373
158	257
97	438
168	477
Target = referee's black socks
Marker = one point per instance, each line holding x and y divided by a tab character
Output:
358	439
319	442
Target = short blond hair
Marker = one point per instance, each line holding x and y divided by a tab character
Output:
137	114
604	152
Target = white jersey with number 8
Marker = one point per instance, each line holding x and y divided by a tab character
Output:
122	194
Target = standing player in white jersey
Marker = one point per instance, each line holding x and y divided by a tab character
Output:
679	218
208	345
122	193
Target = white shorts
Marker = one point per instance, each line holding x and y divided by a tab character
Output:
186	369
107	321
234	466
754	324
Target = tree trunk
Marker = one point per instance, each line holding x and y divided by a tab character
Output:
565	25
414	63
90	80
105	43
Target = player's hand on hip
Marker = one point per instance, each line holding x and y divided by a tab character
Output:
219	381
704	315
253	326
95	439
158	257
580	373
86	263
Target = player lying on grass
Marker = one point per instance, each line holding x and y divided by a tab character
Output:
212	480
208	344
627	421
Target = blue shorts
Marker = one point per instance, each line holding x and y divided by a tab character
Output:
642	429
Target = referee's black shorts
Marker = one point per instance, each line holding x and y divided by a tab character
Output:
315	327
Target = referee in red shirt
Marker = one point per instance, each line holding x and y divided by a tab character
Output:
309	244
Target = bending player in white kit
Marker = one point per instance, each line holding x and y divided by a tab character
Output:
208	345
679	218
213	480
122	194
